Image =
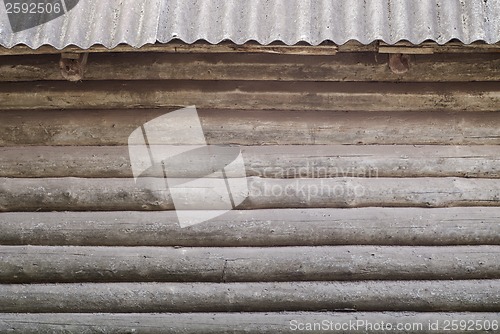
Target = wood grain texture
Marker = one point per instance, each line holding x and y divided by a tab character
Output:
275	48
432	47
306	161
256	127
236	323
249	95
39	264
150	194
418	296
341	67
258	228
174	47
269	258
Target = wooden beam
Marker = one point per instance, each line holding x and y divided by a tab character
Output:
180	47
418	296
432	47
249	95
40	264
252	47
76	194
254	127
238	323
291	161
258	228
406	50
343	67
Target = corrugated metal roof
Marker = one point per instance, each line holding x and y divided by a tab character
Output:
138	22
106	22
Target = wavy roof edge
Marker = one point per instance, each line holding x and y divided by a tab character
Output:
250	41
139	22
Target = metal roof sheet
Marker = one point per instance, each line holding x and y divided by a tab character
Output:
138	22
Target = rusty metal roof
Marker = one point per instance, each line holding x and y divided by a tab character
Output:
138	22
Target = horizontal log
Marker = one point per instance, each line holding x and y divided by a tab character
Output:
249	323
249	95
113	127
39	264
174	47
433	47
258	228
418	296
76	194
326	48
264	161
342	67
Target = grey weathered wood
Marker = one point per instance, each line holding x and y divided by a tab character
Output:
276	48
77	194
342	67
268	161
85	161
432	47
239	323
294	227
113	127
248	95
223	47
419	296
41	264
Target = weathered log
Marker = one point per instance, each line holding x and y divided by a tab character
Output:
418	296
113	127
275	48
76	194
258	228
341	67
433	47
249	95
174	47
40	264
267	162
249	323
